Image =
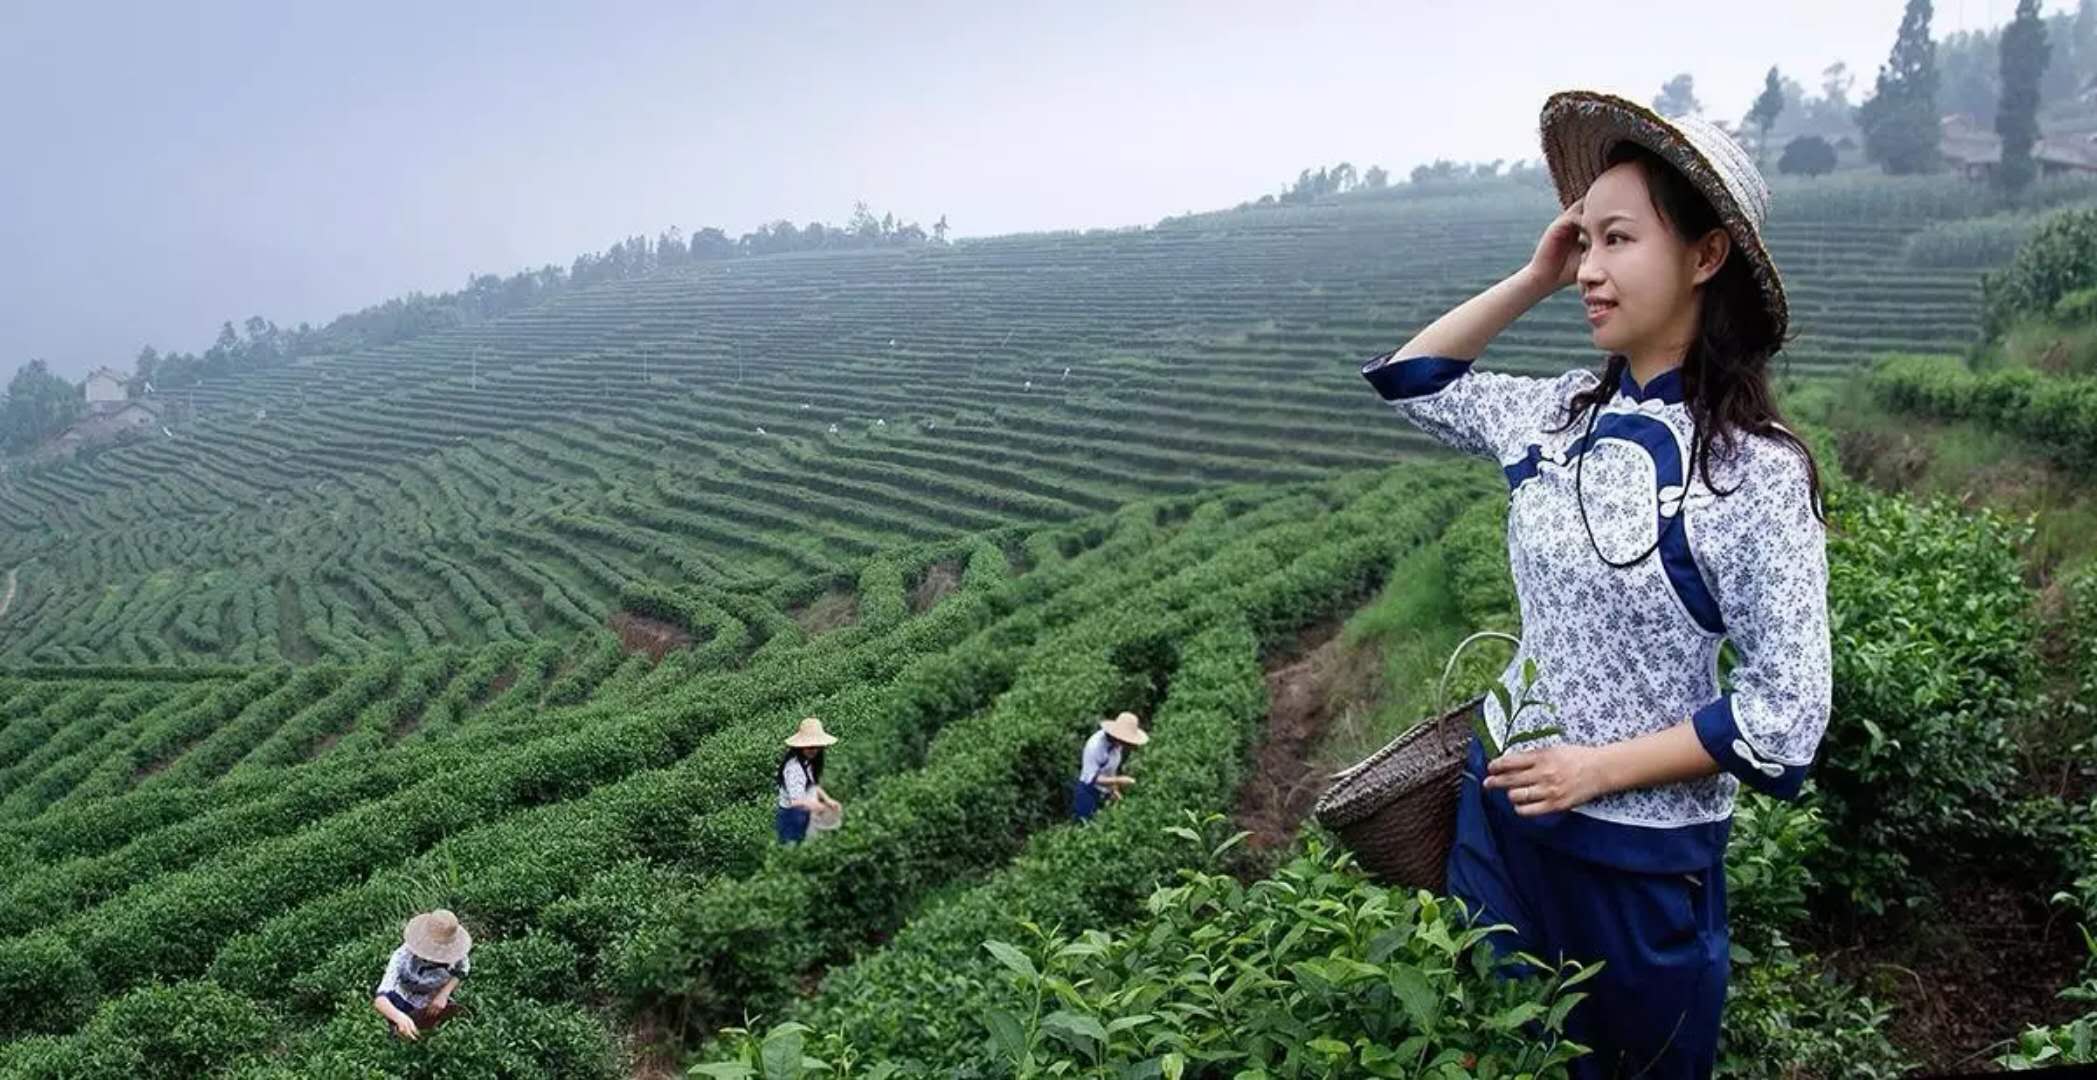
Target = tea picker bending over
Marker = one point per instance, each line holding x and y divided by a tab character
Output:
1099	768
801	793
415	993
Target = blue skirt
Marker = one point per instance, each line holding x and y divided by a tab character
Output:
1084	800
792	824
1655	1006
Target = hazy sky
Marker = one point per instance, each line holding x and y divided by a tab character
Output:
166	166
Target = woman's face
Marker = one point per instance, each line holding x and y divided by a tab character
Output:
1637	278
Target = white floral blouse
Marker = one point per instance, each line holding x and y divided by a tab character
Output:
1625	652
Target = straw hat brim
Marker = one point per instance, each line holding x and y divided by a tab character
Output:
1580	127
1127	729
421	940
810	742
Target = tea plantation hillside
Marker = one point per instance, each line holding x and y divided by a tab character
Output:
721	424
511	620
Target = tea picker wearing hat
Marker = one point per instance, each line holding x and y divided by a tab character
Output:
415	993
800	776
1099	767
1657	508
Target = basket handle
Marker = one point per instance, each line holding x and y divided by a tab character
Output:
1441	695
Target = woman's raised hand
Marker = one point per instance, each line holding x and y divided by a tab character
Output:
1557	259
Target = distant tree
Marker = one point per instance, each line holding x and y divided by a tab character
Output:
939	229
2024	56
260	349
2065	76
864	224
1835	84
1767	108
711	243
1377	178
38	405
670	248
1678	97
1900	122
1969	73
1807	155
1828	113
2082	45
147	365
1440	169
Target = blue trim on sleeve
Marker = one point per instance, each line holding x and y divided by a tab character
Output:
1412	377
1720	735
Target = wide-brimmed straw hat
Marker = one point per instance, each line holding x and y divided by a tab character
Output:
810	735
1126	728
1581	127
437	936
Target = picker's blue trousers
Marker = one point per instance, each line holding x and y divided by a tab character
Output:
1653	1011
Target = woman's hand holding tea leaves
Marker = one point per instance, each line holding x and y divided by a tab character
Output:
1542	781
1562	777
1551	780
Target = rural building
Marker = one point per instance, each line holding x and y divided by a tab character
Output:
105	390
1976	151
107	424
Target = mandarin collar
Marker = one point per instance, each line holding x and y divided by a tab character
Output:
1665	387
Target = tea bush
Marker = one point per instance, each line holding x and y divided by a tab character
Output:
2060	257
1315	971
1932	635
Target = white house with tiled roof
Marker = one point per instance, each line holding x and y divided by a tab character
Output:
106	390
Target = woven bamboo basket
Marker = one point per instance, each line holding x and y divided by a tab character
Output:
1396	808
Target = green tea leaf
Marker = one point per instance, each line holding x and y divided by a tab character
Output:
1070	1023
1332	1048
1012	958
1005	1029
782	1054
1413	992
1124	1023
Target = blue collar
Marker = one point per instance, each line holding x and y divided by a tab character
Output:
1665	387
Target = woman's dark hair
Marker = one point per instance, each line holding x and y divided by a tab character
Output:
1725	375
813	758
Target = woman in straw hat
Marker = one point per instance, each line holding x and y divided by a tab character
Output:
1099	767
800	777
415	993
1657	509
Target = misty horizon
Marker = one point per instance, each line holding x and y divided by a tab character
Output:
192	169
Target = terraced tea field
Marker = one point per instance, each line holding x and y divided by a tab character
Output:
721	425
215	860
